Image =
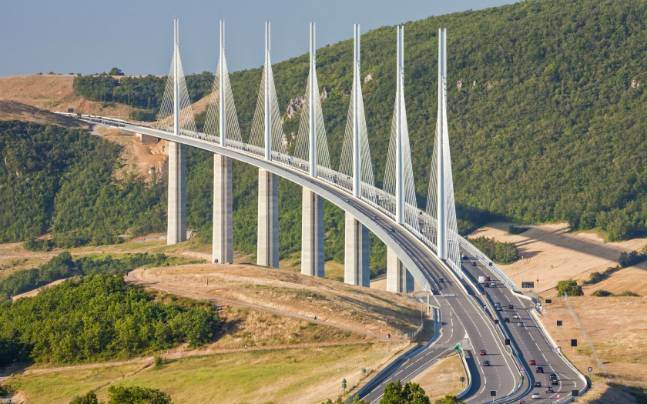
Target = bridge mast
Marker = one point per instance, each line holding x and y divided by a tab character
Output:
221	86
312	134
441	223
399	180
357	161
267	117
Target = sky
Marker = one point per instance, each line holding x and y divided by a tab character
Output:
89	36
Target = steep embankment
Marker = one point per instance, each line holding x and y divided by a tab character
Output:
16	111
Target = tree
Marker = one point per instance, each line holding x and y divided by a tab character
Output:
115	71
88	398
569	288
410	393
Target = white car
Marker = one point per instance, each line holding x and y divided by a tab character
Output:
535	396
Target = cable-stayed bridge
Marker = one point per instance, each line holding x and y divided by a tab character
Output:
423	244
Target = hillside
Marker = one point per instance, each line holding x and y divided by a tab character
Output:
16	111
55	92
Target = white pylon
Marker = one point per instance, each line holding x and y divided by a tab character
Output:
312	129
441	222
357	161
399	180
268	122
221	87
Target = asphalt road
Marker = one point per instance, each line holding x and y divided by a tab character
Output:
531	340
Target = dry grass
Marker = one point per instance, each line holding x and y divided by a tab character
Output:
287	375
16	111
550	253
612	339
443	378
359	310
55	93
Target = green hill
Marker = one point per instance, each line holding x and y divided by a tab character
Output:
546	116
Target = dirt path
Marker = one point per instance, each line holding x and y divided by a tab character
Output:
153	279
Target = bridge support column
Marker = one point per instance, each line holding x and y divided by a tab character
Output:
398	279
356	258
312	234
222	244
267	250
176	213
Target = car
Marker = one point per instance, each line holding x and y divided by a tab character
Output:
552	376
490	264
549	390
482	352
535	396
540	369
533	362
554	382
537	383
510	307
493	284
486	363
507	320
473	263
465	257
520	324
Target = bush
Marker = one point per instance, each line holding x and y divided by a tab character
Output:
143	115
569	288
597	277
631	258
137	395
601	293
88	398
629	293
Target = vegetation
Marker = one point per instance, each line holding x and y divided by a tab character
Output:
88	398
61	180
64	266
98	317
137	395
597	277
632	258
601	293
513	229
449	400
410	393
569	288
500	252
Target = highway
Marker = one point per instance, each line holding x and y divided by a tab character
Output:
462	311
532	341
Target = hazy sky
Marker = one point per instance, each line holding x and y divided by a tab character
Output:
90	36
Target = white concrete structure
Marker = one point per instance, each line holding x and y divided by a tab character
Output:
222	243
312	233
267	249
176	204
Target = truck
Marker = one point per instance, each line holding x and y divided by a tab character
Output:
483	279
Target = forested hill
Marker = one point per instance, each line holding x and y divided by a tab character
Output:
547	109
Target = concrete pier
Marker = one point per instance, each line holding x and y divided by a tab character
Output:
398	279
356	249
176	213
312	234
222	240
267	250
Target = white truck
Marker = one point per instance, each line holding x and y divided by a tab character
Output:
483	280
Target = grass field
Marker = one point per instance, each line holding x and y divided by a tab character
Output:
289	375
443	378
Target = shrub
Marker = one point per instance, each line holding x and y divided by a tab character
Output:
601	293
39	245
88	398
137	395
410	393
628	259
629	293
569	288
503	253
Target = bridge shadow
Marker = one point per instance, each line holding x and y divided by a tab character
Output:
561	237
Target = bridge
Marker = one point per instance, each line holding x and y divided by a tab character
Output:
496	327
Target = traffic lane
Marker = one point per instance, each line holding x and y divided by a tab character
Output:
535	346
